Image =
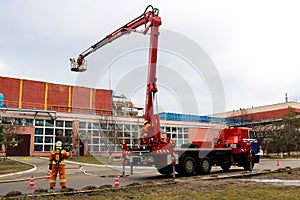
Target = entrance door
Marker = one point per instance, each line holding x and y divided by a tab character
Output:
81	149
23	147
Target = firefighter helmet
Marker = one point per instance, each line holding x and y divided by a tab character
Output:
58	145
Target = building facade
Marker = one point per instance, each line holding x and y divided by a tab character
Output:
84	119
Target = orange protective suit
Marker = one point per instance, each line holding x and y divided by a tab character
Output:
56	159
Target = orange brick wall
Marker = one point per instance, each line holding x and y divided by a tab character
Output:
31	94
58	97
9	87
103	99
274	114
80	99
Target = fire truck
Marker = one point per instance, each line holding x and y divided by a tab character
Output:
234	146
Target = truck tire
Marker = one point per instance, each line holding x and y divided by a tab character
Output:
226	166
204	166
187	166
166	170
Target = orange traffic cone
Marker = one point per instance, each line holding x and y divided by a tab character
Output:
48	176
31	185
117	181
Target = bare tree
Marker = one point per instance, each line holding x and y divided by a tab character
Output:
7	138
265	134
289	132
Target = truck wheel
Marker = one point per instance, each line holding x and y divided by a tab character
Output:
204	166
226	166
187	166
166	170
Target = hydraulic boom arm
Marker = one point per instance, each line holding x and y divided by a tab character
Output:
150	20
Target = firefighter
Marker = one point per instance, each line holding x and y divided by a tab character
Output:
57	165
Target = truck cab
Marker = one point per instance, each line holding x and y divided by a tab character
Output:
243	142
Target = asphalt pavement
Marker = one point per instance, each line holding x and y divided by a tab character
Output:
80	175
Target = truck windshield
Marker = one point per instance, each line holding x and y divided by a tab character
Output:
252	134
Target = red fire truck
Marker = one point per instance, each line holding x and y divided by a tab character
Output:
235	146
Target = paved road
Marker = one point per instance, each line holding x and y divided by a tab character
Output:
81	175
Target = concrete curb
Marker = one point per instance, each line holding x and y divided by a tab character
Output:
22	172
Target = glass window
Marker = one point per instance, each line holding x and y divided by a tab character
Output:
17	122
89	125
58	132
95	140
134	128
102	134
103	125
103	140
168	129
95	148
135	134
111	126
102	148
69	133
39	131
126	127
29	122
96	133
118	127
96	126
82	125
49	131
68	124
126	134
252	134
38	139
48	147
83	134
89	141
185	136
48	139
38	147
39	122
50	123
179	143
59	123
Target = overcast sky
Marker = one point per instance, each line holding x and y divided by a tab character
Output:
254	45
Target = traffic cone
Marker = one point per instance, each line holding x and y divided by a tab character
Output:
117	181
31	185
48	176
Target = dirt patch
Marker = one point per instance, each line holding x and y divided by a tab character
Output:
191	188
10	166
